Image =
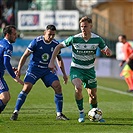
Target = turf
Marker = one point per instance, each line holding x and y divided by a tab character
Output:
38	113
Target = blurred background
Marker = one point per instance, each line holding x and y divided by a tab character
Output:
110	18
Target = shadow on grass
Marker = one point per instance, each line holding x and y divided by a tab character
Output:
114	121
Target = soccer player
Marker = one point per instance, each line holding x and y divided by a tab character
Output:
6	50
41	49
82	72
127	71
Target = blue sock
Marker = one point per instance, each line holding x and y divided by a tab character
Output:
59	102
2	106
21	99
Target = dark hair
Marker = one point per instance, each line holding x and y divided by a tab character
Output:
85	18
51	27
8	29
123	36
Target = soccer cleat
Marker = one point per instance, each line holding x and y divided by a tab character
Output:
101	120
81	117
62	117
130	91
14	116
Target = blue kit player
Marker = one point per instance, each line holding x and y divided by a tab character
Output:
6	50
41	49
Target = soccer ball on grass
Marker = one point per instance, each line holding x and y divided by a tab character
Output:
95	114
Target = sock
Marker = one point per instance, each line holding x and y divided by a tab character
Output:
2	106
59	103
93	105
21	99
80	105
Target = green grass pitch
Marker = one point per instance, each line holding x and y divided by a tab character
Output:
38	113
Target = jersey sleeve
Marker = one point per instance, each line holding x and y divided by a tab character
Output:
127	50
7	56
102	44
8	51
32	45
68	41
8	66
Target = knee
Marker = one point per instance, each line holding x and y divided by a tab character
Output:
6	99
57	87
27	87
78	89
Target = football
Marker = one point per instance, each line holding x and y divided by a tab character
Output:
95	114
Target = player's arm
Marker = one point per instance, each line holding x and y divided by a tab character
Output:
54	55
61	65
23	60
10	70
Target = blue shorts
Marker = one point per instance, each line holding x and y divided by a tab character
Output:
3	85
33	74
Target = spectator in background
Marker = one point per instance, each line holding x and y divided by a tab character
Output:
2	26
33	5
7	12
127	71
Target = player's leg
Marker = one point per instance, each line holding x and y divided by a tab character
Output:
79	98
129	80
4	98
21	99
92	93
4	94
76	76
93	99
52	80
58	98
29	80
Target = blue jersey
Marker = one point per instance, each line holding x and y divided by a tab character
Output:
42	52
40	58
6	50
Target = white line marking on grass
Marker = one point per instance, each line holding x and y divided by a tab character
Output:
113	90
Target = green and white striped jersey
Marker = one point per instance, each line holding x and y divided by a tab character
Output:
84	51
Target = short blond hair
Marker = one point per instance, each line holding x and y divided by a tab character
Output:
85	18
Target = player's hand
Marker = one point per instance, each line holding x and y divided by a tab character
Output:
18	73
120	64
18	80
107	52
65	79
14	69
52	67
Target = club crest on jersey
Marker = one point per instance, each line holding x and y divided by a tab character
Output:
45	57
93	47
52	49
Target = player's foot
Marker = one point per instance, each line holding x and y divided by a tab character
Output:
130	91
81	117
14	116
101	120
62	117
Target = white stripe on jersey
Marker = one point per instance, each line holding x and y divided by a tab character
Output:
82	66
83	57
1	85
7	55
83	46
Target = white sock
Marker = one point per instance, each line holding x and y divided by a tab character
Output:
58	113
